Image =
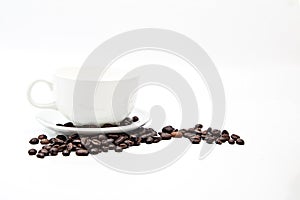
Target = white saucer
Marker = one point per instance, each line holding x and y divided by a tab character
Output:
49	119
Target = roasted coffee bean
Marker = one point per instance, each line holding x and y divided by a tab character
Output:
235	137
123	145
110	140
32	152
66	152
113	136
40	155
102	137
223	139
111	147
69	124
129	142
53	151
47	147
218	141
195	139
120	140
70	147
96	142
156	139
216	132
225	132
135	119
58	141
76	141
34	141
42	136
118	149
209	130
209	140
52	140
183	131
94	151
198	126
166	136
104	148
45	141
44	151
240	141
61	137
74	136
168	129
188	134
149	140
62	147
82	152
177	134
231	141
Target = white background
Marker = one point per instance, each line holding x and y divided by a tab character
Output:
256	48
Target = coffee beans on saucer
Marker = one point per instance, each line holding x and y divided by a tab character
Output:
96	144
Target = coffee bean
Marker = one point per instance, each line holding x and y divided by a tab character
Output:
32	152
44	151
104	148
135	119
40	155
166	136
209	129
156	139
111	147
123	145
66	152
53	151
216	132
218	141
223	139
42	136
94	151
76	141
70	147
113	136
198	126
62	147
120	140
110	140
96	142
129	142
177	134
168	129
195	139
239	141
74	136
235	137
102	137
61	137
47	147
225	132
59	125
231	141
34	141
82	152
118	149
69	124
188	134
58	141
149	140
45	141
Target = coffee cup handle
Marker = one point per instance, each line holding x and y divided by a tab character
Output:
51	105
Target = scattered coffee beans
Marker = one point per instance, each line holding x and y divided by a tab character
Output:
85	145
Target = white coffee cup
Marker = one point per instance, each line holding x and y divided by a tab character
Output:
113	97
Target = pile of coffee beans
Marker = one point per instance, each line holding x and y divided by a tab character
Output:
85	145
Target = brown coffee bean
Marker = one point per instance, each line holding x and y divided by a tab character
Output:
105	148
58	141
40	155
47	147
231	141
96	142
102	137
69	124
66	152
177	134
209	130
70	147
74	136
94	151
111	147
76	141
135	119
129	142
32	152
166	136
123	145
118	149
34	141
44	151
188	134
61	137
149	140
240	141
42	136
53	151
82	152
198	126
62	147
156	139
120	140
45	141
195	139
223	139
168	129
235	137
218	141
